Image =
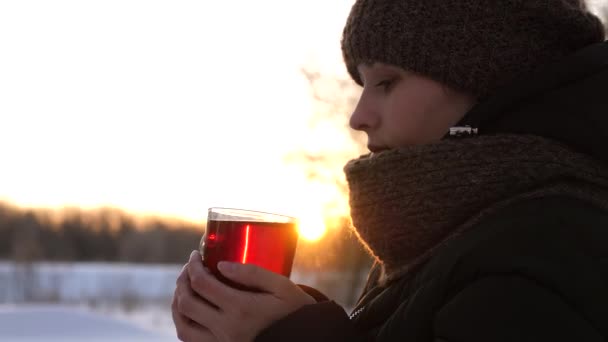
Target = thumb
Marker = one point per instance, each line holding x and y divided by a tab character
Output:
254	276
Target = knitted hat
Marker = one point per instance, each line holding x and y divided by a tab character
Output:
476	46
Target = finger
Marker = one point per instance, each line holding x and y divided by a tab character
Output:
183	275
255	276
207	285
195	257
185	266
189	331
178	319
186	329
195	308
184	279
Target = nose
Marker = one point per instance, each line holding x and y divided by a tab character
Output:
364	117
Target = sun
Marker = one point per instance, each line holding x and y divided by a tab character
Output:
311	227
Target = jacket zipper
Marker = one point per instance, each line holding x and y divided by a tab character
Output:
356	312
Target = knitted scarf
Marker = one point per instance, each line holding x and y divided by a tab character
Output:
407	202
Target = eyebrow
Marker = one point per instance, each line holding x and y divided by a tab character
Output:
369	65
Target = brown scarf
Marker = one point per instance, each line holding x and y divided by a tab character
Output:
407	202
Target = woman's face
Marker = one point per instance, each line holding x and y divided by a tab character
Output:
398	108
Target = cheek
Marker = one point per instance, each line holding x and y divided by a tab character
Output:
408	121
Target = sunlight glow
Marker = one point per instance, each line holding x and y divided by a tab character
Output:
154	107
312	227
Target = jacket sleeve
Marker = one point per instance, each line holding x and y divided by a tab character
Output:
510	308
320	322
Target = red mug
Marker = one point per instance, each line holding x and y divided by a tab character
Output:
249	237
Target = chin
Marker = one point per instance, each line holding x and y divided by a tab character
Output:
377	149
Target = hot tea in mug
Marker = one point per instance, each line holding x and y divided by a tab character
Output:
249	237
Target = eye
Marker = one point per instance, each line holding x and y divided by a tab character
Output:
386	84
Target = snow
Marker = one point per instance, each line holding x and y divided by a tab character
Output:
67	282
98	301
67	324
86	302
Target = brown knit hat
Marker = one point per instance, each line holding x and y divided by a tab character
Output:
476	46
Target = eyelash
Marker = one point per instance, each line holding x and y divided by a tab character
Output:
386	84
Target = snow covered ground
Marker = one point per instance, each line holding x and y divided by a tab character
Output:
86	302
86	282
97	301
54	323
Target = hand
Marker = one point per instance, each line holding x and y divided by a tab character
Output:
225	314
187	329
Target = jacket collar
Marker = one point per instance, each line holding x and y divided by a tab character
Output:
565	101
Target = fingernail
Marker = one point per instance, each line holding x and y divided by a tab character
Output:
226	267
193	253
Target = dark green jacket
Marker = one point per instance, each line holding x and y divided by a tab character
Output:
534	271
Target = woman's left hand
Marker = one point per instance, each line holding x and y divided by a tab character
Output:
225	314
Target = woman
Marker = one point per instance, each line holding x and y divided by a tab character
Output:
484	200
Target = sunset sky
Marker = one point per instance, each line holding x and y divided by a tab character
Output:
164	107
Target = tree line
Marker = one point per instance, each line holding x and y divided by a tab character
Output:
108	234
112	235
